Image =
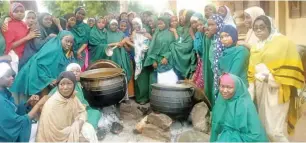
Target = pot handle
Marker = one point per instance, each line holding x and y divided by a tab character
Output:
192	91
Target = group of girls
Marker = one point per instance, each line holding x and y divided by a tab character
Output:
250	83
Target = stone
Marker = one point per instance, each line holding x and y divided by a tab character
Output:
192	136
156	133
200	117
130	111
160	120
141	124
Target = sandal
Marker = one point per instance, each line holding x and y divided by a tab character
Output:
101	133
116	128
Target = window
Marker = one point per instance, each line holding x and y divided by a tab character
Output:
297	9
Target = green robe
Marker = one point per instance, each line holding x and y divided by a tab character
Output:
120	55
184	57
43	67
159	48
97	44
148	28
2	44
81	34
236	119
15	126
207	69
93	115
235	60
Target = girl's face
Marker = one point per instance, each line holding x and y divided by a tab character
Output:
174	22
123	26
101	23
80	15
212	26
77	72
114	26
91	22
124	17
30	19
151	22
261	30
247	20
200	27
161	25
208	11
194	24
7	80
71	22
182	20
66	87
226	39
18	13
136	26
47	21
227	90
222	11
145	18
67	42
131	17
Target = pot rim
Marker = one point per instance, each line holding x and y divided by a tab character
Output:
172	87
117	71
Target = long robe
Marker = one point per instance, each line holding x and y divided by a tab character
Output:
97	44
81	32
120	55
93	115
42	68
2	44
58	119
284	66
235	60
207	68
236	119
15	126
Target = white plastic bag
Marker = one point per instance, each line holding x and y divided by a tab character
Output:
168	77
15	61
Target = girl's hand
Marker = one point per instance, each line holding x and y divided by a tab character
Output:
164	61
79	55
33	34
173	30
154	65
43	100
33	100
56	21
5	24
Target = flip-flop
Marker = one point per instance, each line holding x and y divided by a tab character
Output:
116	128
101	133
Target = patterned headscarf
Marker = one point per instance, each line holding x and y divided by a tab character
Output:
218	50
13	7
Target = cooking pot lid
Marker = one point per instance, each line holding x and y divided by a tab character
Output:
101	73
172	86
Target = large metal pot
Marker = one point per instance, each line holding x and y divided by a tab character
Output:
173	100
103	87
103	64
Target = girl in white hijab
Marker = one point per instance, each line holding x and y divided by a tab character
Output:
225	12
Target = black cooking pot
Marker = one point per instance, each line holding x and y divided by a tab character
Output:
173	100
103	87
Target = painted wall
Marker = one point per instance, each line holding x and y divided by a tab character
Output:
295	28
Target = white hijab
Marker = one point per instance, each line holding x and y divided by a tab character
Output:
228	20
4	67
73	65
254	12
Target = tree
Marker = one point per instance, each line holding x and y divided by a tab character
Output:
93	8
4	7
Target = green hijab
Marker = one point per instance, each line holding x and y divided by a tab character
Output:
159	47
43	67
236	119
81	32
97	44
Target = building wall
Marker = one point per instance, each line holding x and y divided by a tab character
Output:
295	28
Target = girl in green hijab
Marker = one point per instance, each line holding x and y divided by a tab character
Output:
44	67
184	58
120	55
159	54
235	118
97	41
234	59
81	33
